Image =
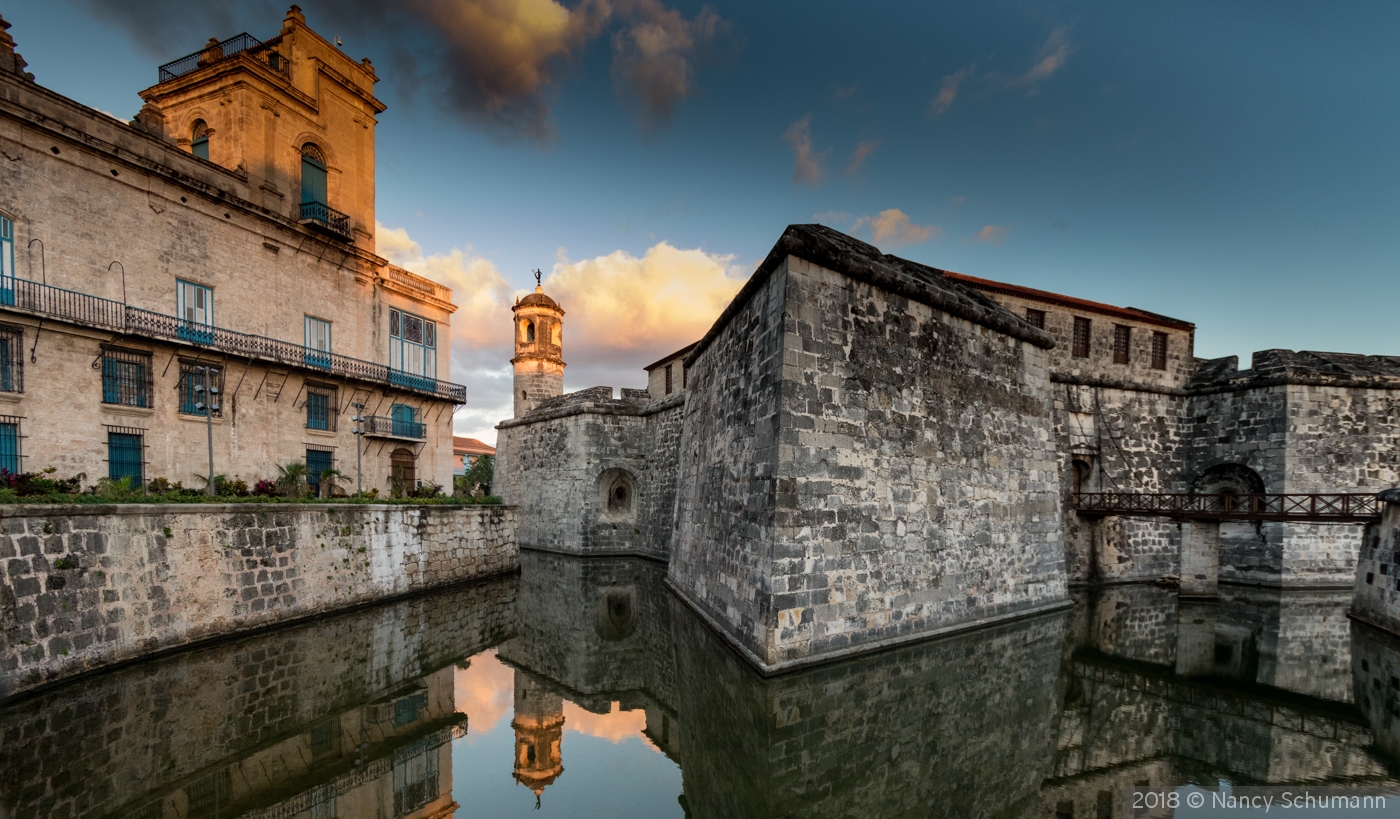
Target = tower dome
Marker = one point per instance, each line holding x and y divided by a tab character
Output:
539	349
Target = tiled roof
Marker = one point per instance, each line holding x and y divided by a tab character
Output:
471	446
989	286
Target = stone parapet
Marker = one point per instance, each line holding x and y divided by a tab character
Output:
86	587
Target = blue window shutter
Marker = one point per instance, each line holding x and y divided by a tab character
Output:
124	456
200	147
9	448
313	181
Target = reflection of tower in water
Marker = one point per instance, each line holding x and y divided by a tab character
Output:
539	729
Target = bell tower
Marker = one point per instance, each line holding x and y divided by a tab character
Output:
539	349
539	730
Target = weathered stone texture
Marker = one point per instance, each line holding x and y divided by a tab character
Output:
858	466
122	740
1377	583
87	587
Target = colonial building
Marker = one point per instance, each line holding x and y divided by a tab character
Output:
217	251
466	452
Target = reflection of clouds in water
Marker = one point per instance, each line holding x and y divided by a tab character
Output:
484	692
615	726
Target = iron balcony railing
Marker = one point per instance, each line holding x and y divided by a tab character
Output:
1335	506
244	43
81	308
382	426
326	218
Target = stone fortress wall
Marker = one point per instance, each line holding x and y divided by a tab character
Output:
89	587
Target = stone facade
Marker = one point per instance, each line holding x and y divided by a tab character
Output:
137	259
88	587
1377	582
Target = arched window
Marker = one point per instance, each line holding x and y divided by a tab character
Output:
313	175
1080	475
530	331
199	139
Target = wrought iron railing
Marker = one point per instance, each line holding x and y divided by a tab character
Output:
81	308
383	426
1333	506
328	219
244	43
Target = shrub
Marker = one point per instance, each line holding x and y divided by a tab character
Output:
238	488
157	485
265	488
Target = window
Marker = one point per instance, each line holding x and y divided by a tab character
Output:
1159	351
7	261
407	423
321	408
126	377
1122	341
199	139
125	454
407	709
313	175
530	332
321	804
323	736
318	342
412	351
416	776
9	444
318	460
194	305
1081	337
11	359
668	379
1079	475
1036	318
193	376
402	468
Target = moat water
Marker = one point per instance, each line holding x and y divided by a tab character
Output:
583	688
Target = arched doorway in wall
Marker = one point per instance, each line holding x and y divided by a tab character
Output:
617	496
403	468
1080	471
1228	479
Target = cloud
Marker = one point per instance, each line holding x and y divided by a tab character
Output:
948	91
863	149
484	691
654	56
892	228
1051	58
622	312
807	164
832	217
496	63
992	234
844	91
615	726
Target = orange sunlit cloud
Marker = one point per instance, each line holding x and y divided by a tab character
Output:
485	692
615	726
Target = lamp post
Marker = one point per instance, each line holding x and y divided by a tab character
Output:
208	395
358	431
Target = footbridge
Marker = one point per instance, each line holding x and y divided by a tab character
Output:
1186	506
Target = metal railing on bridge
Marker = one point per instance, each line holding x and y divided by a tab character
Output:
1315	506
94	311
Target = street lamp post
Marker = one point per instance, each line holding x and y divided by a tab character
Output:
208	395
358	432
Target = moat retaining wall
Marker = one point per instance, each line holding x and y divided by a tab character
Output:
1376	599
87	587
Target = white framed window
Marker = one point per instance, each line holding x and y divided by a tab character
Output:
318	342
412	344
194	302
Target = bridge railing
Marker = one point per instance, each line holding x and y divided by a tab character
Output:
1356	507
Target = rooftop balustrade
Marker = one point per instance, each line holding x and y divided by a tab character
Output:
244	43
95	311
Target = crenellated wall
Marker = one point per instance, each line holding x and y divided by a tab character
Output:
87	587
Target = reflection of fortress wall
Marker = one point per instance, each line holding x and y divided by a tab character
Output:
1134	622
128	736
599	628
1297	640
1377	581
956	727
1375	666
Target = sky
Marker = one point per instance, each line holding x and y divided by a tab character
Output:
1233	165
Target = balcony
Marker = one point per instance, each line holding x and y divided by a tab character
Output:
382	426
93	311
326	219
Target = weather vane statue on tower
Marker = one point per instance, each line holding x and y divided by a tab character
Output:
537	278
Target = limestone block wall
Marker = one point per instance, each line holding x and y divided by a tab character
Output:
88	587
1377	583
561	463
858	467
243	709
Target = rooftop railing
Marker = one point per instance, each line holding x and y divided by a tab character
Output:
81	308
244	43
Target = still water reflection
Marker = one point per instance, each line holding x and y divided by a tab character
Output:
581	688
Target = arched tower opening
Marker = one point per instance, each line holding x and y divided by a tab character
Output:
539	350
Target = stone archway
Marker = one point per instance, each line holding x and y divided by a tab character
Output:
403	466
617	496
1228	479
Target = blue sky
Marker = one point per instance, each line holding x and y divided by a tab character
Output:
1229	164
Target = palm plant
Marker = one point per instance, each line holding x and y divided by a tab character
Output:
329	479
291	479
219	481
115	487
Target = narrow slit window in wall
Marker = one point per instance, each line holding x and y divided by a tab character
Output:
1122	343
1080	346
1159	351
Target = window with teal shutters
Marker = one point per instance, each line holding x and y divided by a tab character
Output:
9	444
126	378
11	359
199	144
7	261
317	461
313	175
318	342
412	351
194	305
190	378
405	422
125	449
320	408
